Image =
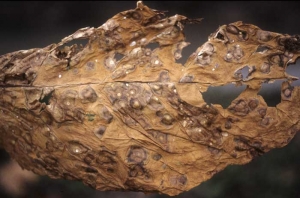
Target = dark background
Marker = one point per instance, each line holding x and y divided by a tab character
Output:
26	25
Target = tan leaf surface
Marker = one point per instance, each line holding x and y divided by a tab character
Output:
139	122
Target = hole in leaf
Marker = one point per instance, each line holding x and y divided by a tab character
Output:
245	72
70	48
243	35
293	70
118	56
222	95
271	92
262	49
46	98
78	42
220	36
194	35
19	79
152	46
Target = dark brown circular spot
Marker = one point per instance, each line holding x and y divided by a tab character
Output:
253	103
203	58
228	57
187	79
88	95
240	145
154	103
148	52
137	155
265	68
162	138
264	35
89	158
213	151
156	156
182	180
227	124
135	104
76	148
164	76
136	171
109	63
105	158
265	121
90	65
134	15
100	131
178	180
167	119
232	29
156	88
159	136
262	112
78	114
208	48
106	115
239	107
288	92
238	53
238	75
69	97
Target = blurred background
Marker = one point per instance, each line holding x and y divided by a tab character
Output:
26	25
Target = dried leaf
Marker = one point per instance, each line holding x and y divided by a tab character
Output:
139	122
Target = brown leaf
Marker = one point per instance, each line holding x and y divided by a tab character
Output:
139	122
